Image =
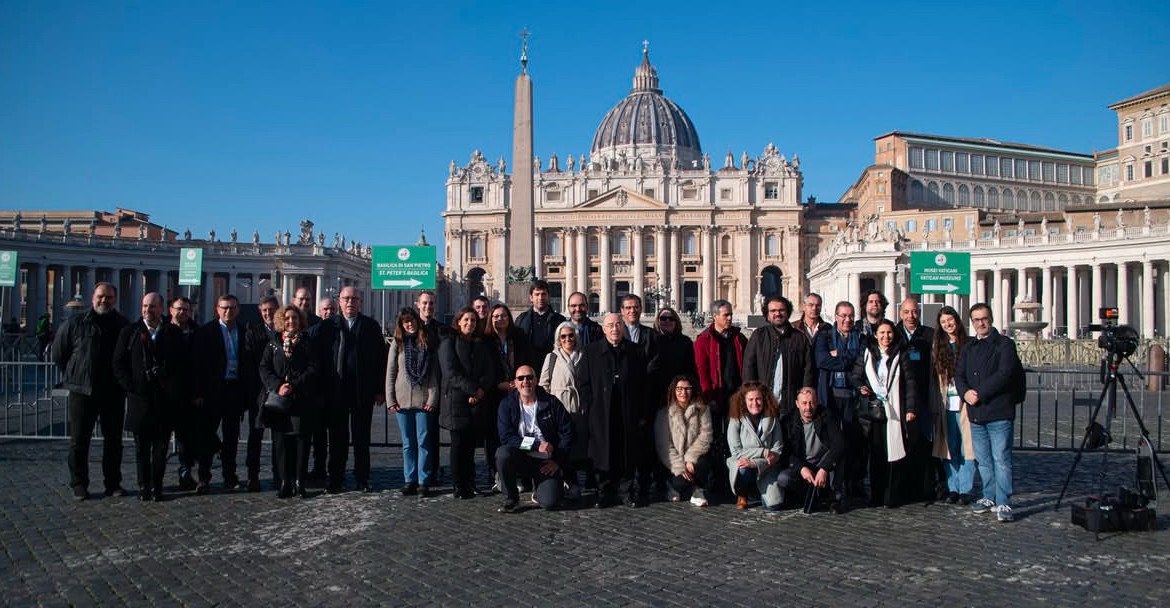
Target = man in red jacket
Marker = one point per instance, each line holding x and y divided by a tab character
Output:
719	359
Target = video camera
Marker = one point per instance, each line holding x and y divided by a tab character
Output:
1115	339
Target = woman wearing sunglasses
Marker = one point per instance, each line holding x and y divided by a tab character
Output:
558	377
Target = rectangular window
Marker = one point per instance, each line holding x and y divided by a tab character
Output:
1033	170
1165	166
1129	173
1049	171
1147	128
915	158
552	196
477	194
648	192
948	223
932	160
891	225
1005	168
1149	166
771	190
931	224
1022	169
1164	123
993	166
948	160
690	194
970	221
961	162
1062	173
977	164
1088	175
725	194
1074	175
1128	132
911	226
591	193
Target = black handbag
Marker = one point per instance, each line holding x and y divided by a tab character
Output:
276	404
871	409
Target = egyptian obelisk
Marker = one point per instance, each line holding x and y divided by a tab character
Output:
520	230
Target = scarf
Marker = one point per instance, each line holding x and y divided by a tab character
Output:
417	361
289	341
885	388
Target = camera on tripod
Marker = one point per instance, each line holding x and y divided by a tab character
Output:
1121	340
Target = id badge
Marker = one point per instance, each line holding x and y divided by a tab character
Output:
528	443
915	355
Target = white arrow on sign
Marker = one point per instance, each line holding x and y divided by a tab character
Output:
401	283
947	288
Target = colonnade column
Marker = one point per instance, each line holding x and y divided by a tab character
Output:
707	233
852	293
322	283
888	288
569	248
639	262
1046	297
997	294
675	277
1072	303
583	261
1147	307
979	293
1123	293
661	263
1097	292
605	302
1005	287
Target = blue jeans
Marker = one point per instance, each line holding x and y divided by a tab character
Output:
960	470
993	453
418	450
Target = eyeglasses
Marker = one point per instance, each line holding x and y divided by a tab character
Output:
684	388
980	319
226	307
348	298
525	378
568	336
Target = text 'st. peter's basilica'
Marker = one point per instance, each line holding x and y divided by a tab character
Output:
643	212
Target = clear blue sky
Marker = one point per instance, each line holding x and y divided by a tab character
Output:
255	115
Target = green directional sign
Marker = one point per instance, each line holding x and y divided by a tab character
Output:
9	268
940	272
191	266
403	267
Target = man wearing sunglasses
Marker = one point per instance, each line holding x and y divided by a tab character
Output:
536	434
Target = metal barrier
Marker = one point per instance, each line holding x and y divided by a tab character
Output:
1060	402
32	406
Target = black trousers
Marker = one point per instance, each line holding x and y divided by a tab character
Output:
320	443
346	425
84	412
461	454
701	479
291	453
150	451
255	442
233	402
514	462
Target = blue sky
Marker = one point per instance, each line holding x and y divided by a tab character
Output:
254	115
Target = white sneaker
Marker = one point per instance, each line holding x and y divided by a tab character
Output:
699	501
983	505
1004	513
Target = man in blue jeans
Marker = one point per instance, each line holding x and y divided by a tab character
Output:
985	377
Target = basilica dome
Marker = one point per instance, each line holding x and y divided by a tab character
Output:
646	124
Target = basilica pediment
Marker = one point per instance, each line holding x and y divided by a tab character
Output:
622	199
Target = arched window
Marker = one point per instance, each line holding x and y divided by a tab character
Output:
1021	200
992	198
1050	201
916	192
648	245
621	245
978	196
932	192
1034	201
1103	200
1009	200
948	194
1076	199
725	245
690	244
552	245
772	245
964	196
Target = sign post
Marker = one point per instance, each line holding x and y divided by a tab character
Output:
403	267
946	272
191	266
9	268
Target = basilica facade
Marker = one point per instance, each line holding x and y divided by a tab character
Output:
644	212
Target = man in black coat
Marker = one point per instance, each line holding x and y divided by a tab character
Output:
303	299
536	434
84	352
356	380
588	330
611	380
917	346
258	336
149	362
186	420
779	343
814	448
539	323
225	382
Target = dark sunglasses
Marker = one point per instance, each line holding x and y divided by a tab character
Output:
667	318
525	378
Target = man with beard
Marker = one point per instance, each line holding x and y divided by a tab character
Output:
84	352
588	330
612	383
873	308
148	363
778	356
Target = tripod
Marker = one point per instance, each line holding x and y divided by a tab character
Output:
1112	378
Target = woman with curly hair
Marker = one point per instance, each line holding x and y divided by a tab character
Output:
682	435
755	439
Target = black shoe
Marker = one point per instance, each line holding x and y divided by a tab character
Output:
836	507
80	493
425	491
301	491
952	498
144	494
317	475
509	506
187	483
116	492
335	488
286	490
231	483
202	488
365	488
410	489
964	499
157	495
254	485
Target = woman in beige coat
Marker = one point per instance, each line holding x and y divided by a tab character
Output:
412	393
952	434
682	436
558	377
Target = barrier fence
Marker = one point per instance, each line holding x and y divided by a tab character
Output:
1059	404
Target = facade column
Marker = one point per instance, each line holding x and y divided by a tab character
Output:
538	251
319	291
675	276
707	288
583	261
639	261
1007	301
455	262
499	264
86	288
1147	307
1122	293
888	288
1046	297
1097	292
1072	303
68	287
42	293
979	294
746	263
661	260
996	295
605	303
569	248
852	292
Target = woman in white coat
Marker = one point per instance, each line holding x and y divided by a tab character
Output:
755	439
558	376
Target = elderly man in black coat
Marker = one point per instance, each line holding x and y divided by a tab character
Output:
612	382
149	363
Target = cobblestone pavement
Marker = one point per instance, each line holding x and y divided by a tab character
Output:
237	548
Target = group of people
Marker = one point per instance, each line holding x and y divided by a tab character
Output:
310	378
804	412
